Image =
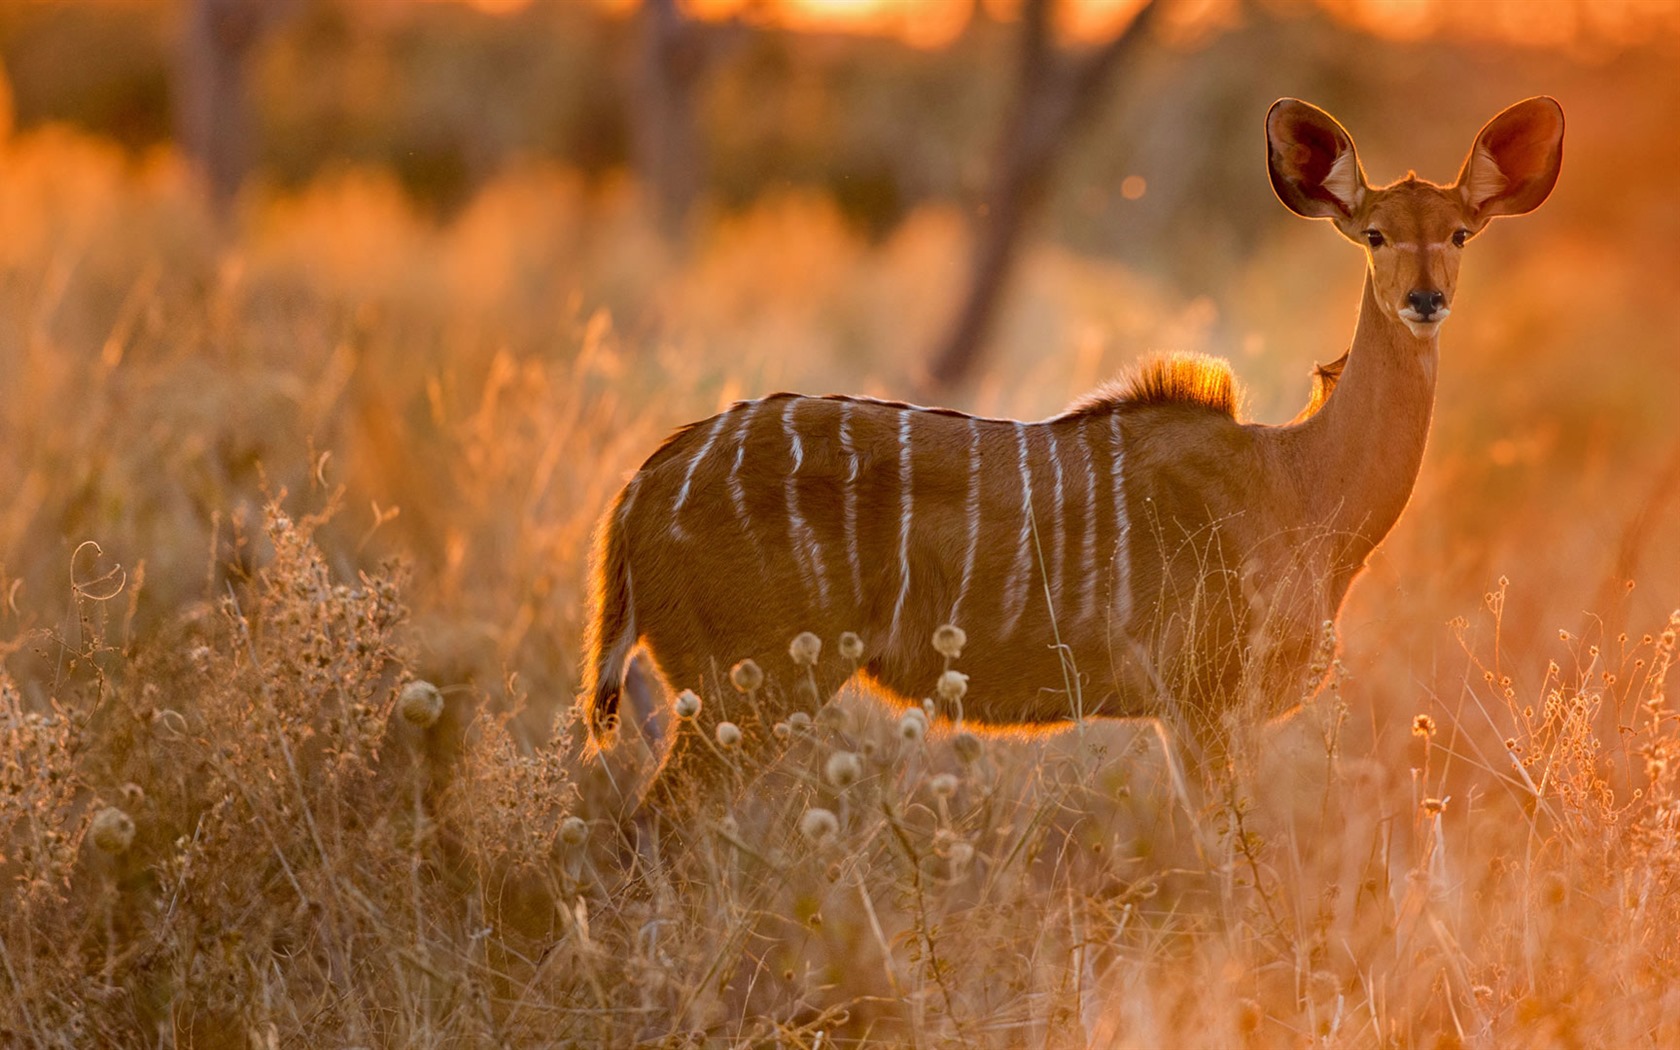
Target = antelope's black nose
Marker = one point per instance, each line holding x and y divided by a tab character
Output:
1425	301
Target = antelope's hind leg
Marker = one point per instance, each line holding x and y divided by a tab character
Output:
628	762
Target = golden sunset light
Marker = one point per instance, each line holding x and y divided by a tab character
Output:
826	524
935	23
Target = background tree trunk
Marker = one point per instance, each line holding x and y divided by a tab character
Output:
213	113
671	60
1054	95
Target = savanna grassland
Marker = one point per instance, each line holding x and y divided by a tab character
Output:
262	472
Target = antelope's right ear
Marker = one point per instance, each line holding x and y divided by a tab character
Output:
1315	171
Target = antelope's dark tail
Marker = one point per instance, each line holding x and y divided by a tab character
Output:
611	633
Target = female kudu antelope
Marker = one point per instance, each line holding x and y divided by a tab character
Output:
1144	553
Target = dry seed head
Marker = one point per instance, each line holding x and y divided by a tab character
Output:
843	769
913	725
851	646
805	649
1434	806
746	676
573	830
799	720
688	704
944	785
782	730
949	639
953	686
819	825
420	704
927	708
967	746
1423	726
833	717
112	830
960	853
728	734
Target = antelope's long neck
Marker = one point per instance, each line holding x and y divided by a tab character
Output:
1359	455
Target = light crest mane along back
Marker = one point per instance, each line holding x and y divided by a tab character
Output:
1169	379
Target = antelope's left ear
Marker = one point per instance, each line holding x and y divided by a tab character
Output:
1514	163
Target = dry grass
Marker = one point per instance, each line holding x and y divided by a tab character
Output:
335	449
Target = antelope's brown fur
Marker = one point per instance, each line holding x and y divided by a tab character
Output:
1143	553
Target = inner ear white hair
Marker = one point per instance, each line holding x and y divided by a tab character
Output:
1486	181
1343	181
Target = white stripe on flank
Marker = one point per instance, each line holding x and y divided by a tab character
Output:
1122	530
850	510
973	507
694	465
792	432
1058	534
738	491
904	505
1015	591
801	538
1088	558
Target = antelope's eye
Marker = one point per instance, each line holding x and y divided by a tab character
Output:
1374	238
1460	237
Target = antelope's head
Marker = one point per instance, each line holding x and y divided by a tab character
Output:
1413	231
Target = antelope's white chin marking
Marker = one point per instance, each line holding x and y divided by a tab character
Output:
1421	328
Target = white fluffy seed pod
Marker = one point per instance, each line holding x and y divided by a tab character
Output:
799	720
805	649
688	704
949	639
913	725
851	646
728	734
843	769
959	853
819	825
420	704
573	830
746	676
112	830
953	686
943	784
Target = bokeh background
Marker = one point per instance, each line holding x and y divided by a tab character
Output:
450	270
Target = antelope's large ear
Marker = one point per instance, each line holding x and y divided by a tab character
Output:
1315	171
1514	163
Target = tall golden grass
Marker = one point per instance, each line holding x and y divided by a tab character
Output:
263	478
